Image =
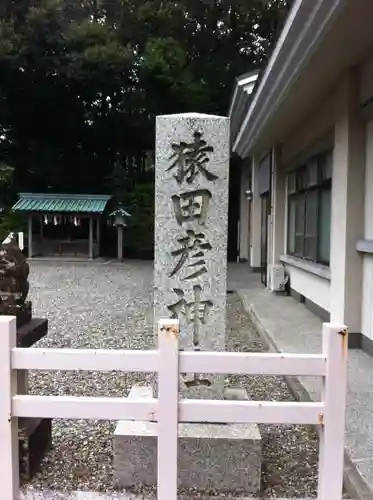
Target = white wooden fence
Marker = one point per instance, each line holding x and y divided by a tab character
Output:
168	410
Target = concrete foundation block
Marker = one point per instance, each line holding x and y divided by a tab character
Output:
212	457
35	440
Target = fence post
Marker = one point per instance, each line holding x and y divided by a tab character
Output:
9	477
331	445
167	408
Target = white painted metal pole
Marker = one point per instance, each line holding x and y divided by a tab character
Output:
332	421
167	413
9	477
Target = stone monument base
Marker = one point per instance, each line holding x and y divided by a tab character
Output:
35	434
211	457
31	332
35	440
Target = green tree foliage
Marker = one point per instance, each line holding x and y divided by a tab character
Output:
140	230
82	81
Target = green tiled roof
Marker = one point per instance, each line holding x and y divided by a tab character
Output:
61	203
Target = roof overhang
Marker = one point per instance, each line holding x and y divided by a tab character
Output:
240	100
45	203
320	40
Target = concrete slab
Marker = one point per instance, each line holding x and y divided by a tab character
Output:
289	326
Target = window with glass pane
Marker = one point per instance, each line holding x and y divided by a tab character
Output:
299	224
325	225
309	209
291	224
310	236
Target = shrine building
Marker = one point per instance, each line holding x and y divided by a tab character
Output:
63	224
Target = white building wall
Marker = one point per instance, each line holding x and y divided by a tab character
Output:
366	106
346	289
255	217
367	313
308	139
311	286
367	302
276	242
347	226
244	236
337	290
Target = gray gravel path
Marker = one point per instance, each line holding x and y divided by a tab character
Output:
110	306
88	306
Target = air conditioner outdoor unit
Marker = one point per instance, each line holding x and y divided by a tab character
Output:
277	278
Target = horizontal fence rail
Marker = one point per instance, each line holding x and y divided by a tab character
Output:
84	359
213	411
148	361
168	410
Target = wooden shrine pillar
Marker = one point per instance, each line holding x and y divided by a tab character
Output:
90	243
98	235
120	241
30	236
41	235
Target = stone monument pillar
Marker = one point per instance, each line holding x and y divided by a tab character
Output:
35	434
190	272
191	226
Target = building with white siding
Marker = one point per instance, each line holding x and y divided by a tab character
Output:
305	140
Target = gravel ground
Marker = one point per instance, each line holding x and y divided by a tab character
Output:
290	451
110	306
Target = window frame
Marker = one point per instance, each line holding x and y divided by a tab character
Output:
298	185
